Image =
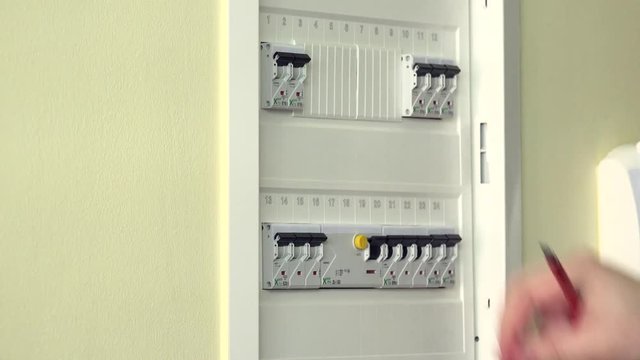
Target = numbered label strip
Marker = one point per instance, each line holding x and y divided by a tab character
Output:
432	40
358	209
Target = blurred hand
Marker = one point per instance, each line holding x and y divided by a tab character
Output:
607	328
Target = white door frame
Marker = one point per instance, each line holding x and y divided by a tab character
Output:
495	101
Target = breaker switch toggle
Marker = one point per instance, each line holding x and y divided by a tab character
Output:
375	247
296	59
300	239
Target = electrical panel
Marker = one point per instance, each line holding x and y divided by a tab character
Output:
366	240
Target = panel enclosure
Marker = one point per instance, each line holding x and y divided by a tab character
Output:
349	158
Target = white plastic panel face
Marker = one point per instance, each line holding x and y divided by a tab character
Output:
349	162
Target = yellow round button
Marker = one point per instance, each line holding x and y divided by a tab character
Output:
360	242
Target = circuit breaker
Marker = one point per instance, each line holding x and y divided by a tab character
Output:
428	88
337	256
284	70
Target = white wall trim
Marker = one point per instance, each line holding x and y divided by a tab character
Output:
244	235
495	100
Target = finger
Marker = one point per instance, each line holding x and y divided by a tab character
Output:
549	313
559	340
526	295
550	319
539	290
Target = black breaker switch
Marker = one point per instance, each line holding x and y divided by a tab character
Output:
422	241
449	240
395	240
437	70
451	71
453	240
423	69
375	242
438	240
286	58
299	239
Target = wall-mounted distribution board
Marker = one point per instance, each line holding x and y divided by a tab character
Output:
369	188
365	200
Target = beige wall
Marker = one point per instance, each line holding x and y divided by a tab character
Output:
107	157
106	180
580	89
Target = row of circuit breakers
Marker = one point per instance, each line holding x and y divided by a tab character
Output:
427	87
306	258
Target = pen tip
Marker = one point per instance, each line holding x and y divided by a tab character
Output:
546	250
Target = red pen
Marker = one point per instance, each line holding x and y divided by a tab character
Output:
570	293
